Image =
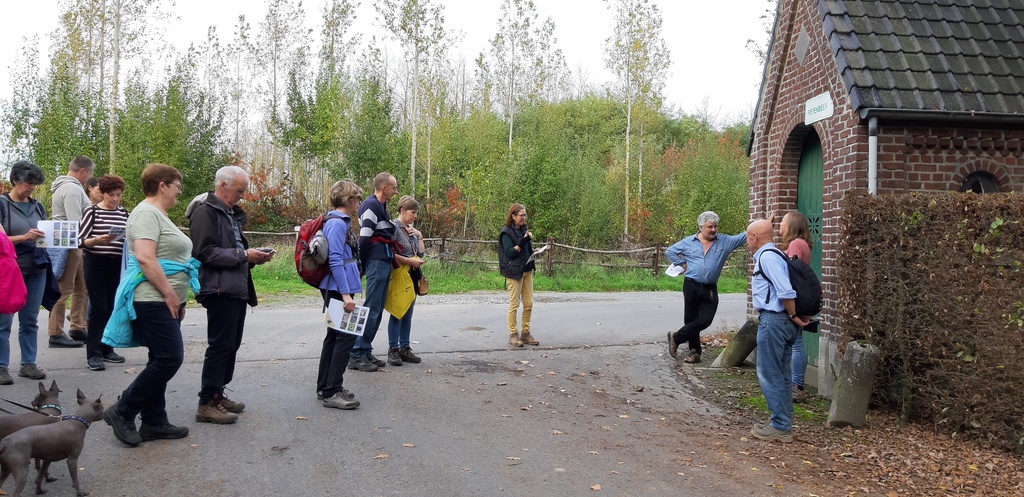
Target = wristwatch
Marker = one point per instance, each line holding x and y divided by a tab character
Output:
791	316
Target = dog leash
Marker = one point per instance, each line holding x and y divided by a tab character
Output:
33	409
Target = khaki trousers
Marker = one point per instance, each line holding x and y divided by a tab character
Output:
520	291
72	284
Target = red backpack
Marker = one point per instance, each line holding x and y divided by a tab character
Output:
311	252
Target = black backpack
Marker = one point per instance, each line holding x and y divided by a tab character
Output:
803	279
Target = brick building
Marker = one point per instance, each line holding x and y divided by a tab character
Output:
889	96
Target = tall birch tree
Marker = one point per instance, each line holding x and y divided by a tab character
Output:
418	26
638	56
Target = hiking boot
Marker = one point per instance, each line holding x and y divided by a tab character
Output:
78	335
360	364
672	345
693	358
232	406
406	354
376	362
799	395
112	357
64	341
5	377
513	340
215	413
769	433
341	401
31	371
168	431
394	357
528	340
95	364
124	429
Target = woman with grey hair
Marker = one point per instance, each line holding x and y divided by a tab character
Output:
20	215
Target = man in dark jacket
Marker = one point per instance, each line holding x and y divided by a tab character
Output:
215	226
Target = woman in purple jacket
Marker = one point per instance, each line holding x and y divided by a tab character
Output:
339	284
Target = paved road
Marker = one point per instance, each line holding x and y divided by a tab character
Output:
599	403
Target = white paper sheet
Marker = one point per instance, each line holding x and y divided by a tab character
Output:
674	270
352	323
58	234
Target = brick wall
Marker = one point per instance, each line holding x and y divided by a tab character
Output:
910	158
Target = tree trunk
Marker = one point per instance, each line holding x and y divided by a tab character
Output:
629	123
112	118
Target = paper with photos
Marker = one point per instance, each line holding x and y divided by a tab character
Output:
352	323
58	234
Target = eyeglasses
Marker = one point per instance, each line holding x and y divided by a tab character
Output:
521	215
175	185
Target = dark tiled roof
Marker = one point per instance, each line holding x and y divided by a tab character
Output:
947	55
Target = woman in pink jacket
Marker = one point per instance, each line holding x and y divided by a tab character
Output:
796	241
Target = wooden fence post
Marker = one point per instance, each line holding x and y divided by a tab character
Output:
657	259
442	245
550	258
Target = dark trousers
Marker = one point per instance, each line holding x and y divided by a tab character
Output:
334	359
162	334
225	318
102	275
700	303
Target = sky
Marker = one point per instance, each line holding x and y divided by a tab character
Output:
712	71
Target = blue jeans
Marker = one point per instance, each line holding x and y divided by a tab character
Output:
28	321
161	333
398	329
378	273
799	360
775	336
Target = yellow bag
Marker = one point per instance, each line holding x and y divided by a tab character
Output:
400	292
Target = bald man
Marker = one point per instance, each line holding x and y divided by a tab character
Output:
777	329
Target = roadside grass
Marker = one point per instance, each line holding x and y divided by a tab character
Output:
279	277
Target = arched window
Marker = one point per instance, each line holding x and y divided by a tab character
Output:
979	182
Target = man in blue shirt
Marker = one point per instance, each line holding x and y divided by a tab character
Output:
777	328
703	256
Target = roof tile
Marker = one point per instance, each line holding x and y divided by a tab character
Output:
957	55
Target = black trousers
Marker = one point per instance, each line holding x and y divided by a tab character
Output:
700	303
225	318
102	275
162	335
334	359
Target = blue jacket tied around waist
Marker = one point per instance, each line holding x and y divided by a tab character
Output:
119	333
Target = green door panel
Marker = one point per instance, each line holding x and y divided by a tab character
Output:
809	202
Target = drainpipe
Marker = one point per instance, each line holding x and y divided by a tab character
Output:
873	156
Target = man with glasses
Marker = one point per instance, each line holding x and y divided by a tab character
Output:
218	243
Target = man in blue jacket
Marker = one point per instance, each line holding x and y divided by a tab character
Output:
702	256
218	243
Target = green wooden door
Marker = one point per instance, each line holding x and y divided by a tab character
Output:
809	202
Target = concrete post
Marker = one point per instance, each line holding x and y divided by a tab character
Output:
854	386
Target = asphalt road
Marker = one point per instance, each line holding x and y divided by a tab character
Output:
598	403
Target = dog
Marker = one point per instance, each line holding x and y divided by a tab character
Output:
52	442
47	411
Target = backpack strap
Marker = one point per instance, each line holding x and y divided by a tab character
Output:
760	271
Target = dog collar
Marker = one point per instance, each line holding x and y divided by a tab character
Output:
52	406
75	418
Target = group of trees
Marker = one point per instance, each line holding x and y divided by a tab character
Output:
596	165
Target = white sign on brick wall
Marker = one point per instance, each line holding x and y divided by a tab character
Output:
818	108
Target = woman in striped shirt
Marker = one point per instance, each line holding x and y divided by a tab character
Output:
102	238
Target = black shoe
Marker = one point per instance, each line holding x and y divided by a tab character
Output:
112	357
124	429
166	432
407	356
96	364
394	358
64	341
79	335
377	362
360	364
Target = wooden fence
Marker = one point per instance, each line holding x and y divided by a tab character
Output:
484	252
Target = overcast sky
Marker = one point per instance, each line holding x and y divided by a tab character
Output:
706	39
